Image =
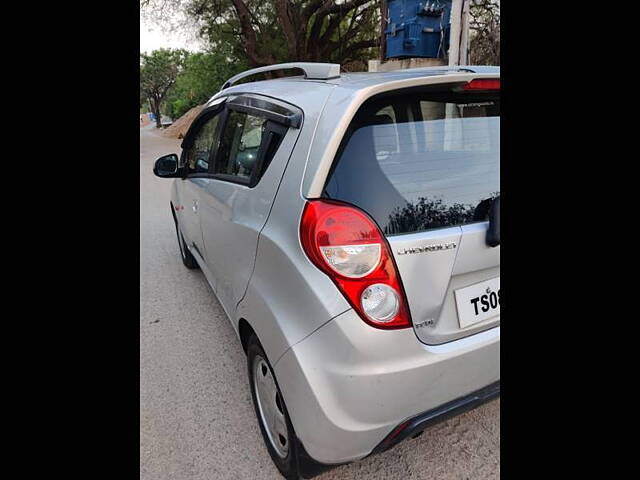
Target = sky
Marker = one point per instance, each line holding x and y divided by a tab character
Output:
153	36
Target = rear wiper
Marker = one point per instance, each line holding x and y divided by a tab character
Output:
493	234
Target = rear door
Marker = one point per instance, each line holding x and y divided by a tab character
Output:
425	164
254	147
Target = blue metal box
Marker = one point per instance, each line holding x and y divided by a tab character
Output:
418	28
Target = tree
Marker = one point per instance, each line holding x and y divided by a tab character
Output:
427	213
274	31
203	74
158	73
264	32
484	23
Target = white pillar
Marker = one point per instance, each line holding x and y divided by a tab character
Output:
459	33
464	34
454	32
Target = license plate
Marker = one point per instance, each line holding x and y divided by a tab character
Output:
478	302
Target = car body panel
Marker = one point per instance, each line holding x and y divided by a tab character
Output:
348	385
270	303
431	277
425	275
188	194
231	217
288	298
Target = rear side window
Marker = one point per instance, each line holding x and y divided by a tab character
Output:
421	160
239	145
247	144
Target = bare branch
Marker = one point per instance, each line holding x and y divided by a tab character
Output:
360	45
284	15
311	8
346	6
249	34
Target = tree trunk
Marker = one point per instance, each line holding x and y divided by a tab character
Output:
155	109
383	27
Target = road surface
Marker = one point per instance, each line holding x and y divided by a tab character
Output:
196	417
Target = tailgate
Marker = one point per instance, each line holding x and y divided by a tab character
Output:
434	266
425	165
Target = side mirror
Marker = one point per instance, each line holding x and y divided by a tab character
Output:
167	167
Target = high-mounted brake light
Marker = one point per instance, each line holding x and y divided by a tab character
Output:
483	84
347	245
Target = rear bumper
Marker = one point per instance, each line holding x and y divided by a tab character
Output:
348	387
419	423
310	468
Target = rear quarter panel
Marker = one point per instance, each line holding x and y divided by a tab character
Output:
348	385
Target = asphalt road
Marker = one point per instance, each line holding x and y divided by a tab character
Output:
196	416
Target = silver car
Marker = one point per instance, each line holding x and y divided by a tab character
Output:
349	224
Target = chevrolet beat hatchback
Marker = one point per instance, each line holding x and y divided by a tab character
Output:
349	225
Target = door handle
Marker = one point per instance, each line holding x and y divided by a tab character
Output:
194	207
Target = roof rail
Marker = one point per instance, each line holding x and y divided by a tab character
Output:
312	71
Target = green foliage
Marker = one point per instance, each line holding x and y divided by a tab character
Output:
484	45
158	73
202	76
265	32
248	33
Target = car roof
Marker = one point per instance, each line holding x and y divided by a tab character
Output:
374	78
296	89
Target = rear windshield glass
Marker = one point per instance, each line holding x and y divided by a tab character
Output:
421	160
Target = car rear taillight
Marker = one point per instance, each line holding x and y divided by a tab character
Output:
347	245
483	84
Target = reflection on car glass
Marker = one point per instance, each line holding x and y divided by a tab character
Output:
436	168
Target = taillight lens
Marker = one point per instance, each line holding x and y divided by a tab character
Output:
380	302
346	244
352	260
483	84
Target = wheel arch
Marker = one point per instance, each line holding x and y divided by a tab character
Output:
245	330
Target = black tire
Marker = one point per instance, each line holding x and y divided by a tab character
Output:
288	466
188	260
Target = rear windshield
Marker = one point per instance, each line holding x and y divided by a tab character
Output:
420	160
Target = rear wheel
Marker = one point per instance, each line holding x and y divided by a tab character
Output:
271	411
